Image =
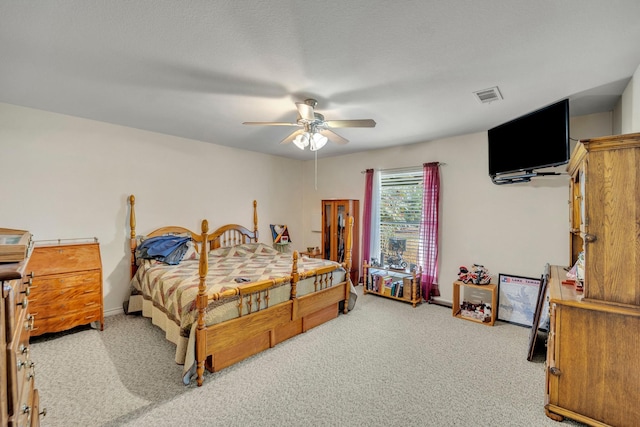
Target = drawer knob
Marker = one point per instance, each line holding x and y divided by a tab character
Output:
31	374
555	371
28	325
23	349
24	303
26	409
590	238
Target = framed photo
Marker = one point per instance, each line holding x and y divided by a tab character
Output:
517	299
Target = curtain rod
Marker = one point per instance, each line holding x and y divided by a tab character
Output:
405	168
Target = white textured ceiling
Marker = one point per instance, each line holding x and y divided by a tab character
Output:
198	69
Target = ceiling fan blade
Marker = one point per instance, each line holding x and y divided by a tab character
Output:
305	111
271	123
291	137
363	123
332	136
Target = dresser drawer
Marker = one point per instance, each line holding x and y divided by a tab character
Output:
26	411
84	280
64	305
15	301
19	367
52	294
67	320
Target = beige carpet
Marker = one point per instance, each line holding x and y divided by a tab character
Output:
383	364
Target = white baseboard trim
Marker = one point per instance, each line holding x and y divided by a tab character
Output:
113	312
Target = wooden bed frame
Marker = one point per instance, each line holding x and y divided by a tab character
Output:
223	344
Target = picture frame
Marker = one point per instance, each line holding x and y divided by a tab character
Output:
517	299
15	245
541	315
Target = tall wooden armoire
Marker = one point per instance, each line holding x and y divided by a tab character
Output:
593	374
335	214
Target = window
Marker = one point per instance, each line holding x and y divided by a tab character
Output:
400	213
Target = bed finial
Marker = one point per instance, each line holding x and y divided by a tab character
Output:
132	216
132	241
255	218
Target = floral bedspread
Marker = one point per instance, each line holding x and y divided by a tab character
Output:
173	288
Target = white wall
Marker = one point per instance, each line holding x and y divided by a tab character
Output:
66	177
513	229
630	106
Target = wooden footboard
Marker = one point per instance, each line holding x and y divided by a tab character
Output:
224	344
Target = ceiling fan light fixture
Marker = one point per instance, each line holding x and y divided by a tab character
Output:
302	141
317	141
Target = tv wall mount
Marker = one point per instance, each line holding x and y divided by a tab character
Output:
515	179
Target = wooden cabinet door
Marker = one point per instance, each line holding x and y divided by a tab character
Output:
335	219
594	370
612	226
335	216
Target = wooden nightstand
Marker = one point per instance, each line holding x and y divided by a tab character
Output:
67	286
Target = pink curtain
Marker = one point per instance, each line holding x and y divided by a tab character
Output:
428	257
366	215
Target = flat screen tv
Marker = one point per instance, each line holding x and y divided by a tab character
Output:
537	140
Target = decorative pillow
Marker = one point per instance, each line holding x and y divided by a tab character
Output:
257	248
237	251
220	252
192	251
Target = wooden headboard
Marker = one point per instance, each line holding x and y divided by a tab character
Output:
227	235
234	234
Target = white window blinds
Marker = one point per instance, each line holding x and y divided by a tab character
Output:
401	194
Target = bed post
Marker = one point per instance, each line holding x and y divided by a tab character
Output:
295	277
132	227
201	304
255	219
347	263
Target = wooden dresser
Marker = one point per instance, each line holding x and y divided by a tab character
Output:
67	286
593	370
19	405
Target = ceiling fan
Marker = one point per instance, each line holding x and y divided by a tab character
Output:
315	130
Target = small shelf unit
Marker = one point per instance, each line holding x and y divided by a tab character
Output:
456	310
393	284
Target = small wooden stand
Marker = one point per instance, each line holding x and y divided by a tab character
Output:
412	292
456	301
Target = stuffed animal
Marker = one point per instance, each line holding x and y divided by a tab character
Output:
477	275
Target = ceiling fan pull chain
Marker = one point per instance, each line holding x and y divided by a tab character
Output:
316	169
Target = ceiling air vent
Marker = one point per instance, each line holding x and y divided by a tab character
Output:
488	95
